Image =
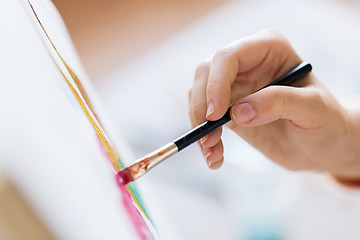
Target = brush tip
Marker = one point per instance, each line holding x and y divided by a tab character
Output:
125	176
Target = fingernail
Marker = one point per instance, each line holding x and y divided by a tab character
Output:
211	108
207	151
214	160
203	139
243	112
214	165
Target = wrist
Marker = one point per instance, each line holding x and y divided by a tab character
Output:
348	171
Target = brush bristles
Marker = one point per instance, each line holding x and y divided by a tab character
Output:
146	163
125	176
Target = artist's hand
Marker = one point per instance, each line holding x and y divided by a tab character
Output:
300	127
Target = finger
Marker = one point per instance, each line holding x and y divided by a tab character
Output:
214	154
267	48
266	45
216	165
302	106
197	99
212	138
198	93
190	110
193	123
191	115
223	72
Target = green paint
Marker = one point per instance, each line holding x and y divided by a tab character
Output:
136	194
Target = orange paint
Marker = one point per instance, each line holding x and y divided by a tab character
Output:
84	101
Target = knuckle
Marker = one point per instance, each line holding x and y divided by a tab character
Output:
222	53
273	34
196	111
283	104
271	31
318	98
277	100
202	68
274	37
195	107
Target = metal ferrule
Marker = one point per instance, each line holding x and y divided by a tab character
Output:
152	159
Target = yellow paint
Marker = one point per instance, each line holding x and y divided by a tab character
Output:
86	106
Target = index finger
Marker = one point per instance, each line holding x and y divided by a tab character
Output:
239	58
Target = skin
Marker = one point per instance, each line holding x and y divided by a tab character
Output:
300	127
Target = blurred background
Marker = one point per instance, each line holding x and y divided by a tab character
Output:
141	56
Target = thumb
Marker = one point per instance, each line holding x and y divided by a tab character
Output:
303	106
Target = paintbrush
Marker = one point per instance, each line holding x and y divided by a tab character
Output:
144	164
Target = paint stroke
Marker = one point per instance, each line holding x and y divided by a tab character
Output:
134	210
141	227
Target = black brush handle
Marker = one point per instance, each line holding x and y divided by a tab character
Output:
207	127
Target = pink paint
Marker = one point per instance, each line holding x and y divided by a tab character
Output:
133	212
124	176
131	209
130	206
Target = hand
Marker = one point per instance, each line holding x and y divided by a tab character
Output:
301	127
